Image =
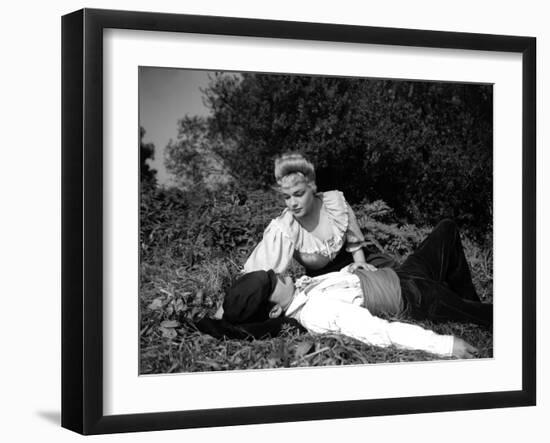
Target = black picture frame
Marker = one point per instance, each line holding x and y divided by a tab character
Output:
82	220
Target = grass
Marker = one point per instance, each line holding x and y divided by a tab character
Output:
183	277
190	351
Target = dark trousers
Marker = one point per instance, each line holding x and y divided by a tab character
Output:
436	283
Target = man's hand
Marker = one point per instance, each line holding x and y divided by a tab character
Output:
362	265
462	349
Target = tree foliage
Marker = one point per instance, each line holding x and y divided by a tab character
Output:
192	157
424	147
146	152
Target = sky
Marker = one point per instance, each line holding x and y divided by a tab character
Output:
165	96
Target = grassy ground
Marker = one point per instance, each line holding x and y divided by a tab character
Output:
193	247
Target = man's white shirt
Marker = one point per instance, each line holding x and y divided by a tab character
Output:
334	303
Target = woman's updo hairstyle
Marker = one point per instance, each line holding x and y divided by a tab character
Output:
293	168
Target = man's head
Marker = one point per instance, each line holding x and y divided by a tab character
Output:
282	295
257	296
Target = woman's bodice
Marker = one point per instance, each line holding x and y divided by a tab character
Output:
285	238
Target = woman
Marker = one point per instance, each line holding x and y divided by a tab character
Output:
318	229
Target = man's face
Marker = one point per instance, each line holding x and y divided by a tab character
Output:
283	292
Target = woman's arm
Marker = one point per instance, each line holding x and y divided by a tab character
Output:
359	261
354	243
359	256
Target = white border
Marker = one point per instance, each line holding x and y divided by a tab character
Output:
125	392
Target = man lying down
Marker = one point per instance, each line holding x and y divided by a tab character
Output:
433	283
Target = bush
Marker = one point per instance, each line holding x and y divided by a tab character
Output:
423	147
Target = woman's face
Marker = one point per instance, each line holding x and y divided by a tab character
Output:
299	198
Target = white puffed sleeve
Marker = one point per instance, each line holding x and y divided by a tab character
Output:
343	221
275	251
354	237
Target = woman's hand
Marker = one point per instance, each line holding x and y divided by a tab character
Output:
462	349
361	265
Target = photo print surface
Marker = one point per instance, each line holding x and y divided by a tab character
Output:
295	220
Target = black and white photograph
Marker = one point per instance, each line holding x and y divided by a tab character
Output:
293	220
261	221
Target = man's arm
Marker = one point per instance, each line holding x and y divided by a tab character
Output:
359	323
